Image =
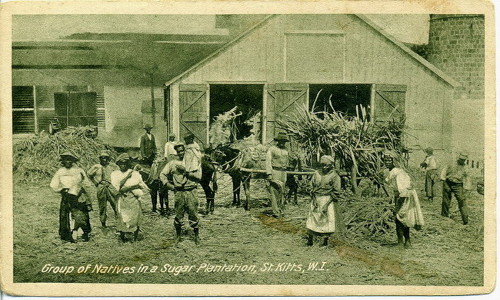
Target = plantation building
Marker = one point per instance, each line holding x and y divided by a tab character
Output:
268	66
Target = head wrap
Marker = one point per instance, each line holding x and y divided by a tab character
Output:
327	160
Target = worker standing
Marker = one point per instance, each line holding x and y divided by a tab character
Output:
276	164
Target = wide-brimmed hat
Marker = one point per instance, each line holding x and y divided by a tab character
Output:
124	157
104	153
148	126
463	155
68	154
281	137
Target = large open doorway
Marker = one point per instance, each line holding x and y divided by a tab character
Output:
339	97
249	100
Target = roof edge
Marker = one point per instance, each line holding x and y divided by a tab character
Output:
220	50
448	79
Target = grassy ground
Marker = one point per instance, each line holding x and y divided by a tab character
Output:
445	252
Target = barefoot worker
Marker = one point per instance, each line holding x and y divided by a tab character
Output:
184	183
128	188
324	218
100	175
276	164
72	183
407	211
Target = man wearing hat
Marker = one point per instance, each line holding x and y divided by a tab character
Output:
175	176
71	182
100	175
431	174
454	178
148	146
276	165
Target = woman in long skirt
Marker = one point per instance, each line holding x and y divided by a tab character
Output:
129	189
324	218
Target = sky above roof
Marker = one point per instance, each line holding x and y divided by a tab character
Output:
406	28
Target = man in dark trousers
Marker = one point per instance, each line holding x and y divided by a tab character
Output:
454	178
176	176
148	146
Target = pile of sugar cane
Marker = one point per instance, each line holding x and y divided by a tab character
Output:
37	158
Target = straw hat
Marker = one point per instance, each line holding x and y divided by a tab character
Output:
148	126
104	153
69	154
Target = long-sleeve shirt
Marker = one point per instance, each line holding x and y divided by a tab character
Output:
72	179
192	157
169	150
455	174
178	178
431	163
276	158
135	179
99	173
399	181
326	184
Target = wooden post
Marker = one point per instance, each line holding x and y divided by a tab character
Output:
153	108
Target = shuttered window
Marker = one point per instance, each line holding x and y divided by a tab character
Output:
23	109
76	108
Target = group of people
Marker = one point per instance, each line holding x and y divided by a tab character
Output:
121	185
180	170
455	179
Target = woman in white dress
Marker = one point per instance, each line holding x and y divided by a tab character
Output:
129	188
324	218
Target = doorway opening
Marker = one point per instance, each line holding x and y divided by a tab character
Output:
339	97
249	100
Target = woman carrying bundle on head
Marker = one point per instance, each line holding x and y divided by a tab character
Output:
324	217
129	188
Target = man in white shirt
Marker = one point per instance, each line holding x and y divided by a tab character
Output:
431	173
170	152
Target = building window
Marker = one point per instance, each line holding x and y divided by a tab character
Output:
76	108
23	109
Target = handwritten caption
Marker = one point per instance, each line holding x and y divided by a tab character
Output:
176	270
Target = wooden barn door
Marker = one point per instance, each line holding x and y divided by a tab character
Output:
388	102
282	101
193	109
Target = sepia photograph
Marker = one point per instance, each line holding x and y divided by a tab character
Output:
219	150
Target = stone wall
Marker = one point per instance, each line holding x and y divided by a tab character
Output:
456	46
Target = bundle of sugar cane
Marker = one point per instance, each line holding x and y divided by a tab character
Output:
37	158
